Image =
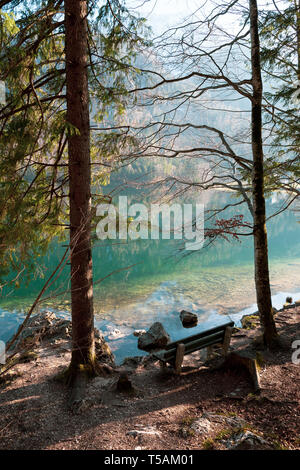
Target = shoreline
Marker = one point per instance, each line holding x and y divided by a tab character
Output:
217	410
121	339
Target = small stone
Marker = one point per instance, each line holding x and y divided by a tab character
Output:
144	431
188	318
201	425
139	333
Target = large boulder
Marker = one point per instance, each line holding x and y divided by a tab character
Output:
155	338
188	319
250	321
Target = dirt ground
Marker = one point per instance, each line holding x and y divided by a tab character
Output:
200	409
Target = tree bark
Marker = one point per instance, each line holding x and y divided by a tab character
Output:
297	13
262	280
76	50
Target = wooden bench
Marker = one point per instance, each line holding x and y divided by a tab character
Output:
174	352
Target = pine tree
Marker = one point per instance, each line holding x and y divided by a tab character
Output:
279	30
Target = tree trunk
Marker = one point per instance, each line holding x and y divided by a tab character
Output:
297	12
262	280
83	345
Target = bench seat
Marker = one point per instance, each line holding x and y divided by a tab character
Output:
174	352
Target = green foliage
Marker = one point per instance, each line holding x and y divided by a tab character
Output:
280	54
33	126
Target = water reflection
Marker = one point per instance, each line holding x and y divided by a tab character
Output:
213	283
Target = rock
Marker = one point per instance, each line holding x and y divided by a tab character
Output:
148	360
46	325
139	333
244	360
289	300
209	420
201	425
84	405
155	338
42	325
288	305
28	356
132	362
144	431
103	352
246	440
105	369
188	319
297	303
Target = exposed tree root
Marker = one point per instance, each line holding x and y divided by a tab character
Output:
76	377
273	344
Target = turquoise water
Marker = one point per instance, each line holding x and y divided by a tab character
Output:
215	282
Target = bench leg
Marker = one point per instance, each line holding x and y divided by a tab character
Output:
227	338
179	357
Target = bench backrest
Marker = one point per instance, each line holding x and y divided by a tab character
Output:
195	342
217	329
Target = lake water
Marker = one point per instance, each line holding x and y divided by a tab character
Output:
216	283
